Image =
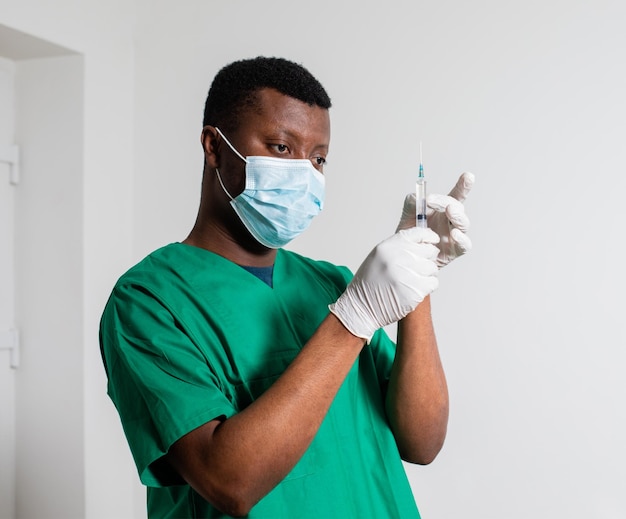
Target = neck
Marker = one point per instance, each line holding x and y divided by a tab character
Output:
214	239
218	229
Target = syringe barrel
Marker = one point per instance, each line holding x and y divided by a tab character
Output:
420	203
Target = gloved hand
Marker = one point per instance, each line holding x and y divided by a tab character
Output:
446	216
394	278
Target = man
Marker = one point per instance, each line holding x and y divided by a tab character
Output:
253	381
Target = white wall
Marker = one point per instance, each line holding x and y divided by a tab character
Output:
49	298
527	95
7	297
93	471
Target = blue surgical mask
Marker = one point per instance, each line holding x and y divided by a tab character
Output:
280	199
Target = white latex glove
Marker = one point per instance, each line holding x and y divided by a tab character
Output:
394	278
446	216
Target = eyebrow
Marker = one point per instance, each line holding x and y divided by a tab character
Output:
293	135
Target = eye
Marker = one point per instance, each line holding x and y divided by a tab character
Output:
281	149
318	161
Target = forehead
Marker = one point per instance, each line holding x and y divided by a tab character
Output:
275	111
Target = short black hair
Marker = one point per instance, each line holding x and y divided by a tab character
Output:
235	86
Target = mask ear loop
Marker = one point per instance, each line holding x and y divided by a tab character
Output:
219	176
230	145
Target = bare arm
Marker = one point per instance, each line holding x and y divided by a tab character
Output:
417	397
234	463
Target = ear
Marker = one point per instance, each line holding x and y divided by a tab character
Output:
210	144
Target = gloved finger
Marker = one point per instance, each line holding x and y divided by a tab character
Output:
426	251
409	201
419	235
454	210
407	219
461	240
420	267
462	187
457	217
439	203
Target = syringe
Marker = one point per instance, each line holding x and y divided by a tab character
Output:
420	195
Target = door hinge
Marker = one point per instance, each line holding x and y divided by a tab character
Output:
11	155
10	340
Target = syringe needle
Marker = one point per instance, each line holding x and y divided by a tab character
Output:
421	162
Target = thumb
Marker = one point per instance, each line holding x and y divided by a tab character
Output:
463	186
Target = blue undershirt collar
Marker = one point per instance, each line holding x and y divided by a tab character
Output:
265	274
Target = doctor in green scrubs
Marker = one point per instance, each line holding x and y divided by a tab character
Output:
252	381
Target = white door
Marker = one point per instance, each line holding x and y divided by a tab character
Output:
7	300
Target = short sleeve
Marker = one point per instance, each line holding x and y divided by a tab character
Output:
159	379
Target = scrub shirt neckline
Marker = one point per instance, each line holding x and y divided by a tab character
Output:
277	277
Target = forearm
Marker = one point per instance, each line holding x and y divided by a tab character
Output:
417	396
246	456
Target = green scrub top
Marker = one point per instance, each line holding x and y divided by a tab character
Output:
187	336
